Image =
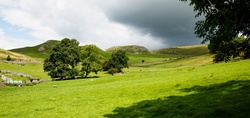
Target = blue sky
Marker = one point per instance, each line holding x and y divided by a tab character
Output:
151	23
14	31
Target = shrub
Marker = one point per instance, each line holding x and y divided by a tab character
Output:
8	58
112	71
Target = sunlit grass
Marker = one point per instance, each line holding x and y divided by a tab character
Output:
96	97
33	69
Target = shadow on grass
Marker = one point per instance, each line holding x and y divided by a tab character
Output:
225	100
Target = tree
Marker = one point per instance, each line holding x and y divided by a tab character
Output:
117	61
224	21
63	59
8	58
90	60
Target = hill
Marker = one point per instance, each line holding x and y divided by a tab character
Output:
42	51
130	49
39	52
14	56
193	50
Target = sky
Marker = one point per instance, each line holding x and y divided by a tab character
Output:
154	24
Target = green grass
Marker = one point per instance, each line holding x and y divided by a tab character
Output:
197	91
150	58
34	51
33	69
175	82
173	61
13	77
184	50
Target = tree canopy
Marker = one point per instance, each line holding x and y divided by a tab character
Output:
90	60
63	59
224	21
117	61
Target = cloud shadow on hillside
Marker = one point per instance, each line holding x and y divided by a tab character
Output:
230	99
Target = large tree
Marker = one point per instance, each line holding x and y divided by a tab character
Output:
223	22
63	59
117	61
90	60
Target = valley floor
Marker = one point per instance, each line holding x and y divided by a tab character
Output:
162	90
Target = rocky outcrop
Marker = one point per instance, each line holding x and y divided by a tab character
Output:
131	48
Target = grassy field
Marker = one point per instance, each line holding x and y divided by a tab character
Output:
185	87
33	69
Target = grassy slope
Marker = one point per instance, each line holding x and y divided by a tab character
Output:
42	54
34	51
33	69
14	56
184	50
137	92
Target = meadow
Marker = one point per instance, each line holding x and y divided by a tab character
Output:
159	87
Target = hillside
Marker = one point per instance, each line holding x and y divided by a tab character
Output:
130	49
42	51
14	56
193	50
39	52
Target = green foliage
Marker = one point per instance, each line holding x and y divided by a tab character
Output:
63	59
112	71
118	61
239	46
90	60
8	58
106	65
224	20
143	61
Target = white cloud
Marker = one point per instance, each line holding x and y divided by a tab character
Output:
11	43
83	20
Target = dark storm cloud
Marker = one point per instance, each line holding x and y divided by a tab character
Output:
170	20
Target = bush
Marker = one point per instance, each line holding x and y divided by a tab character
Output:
142	61
8	58
112	71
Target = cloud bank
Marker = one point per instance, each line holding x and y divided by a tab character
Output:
151	23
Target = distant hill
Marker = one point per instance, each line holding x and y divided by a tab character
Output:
42	51
14	56
39	52
130	48
193	50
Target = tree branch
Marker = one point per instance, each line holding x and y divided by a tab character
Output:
213	6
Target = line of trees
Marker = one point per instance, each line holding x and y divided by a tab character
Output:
68	60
